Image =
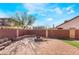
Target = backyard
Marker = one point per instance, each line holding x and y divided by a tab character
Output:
37	29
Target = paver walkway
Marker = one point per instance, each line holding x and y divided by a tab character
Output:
49	47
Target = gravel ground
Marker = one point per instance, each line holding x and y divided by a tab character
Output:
27	46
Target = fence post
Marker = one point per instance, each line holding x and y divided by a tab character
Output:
17	32
46	33
72	33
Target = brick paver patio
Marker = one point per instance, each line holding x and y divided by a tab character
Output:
49	47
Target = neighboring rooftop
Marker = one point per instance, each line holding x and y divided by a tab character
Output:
67	21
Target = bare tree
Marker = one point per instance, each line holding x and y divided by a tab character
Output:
24	20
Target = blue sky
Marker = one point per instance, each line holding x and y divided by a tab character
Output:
47	14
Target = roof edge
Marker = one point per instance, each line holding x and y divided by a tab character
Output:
68	21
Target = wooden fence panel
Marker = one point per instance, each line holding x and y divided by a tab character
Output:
7	33
58	33
77	34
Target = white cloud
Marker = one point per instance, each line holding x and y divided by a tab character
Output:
28	12
3	14
37	8
34	7
58	10
49	19
70	9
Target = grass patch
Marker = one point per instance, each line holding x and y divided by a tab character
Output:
73	43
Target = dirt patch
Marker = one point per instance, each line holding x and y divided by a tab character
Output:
27	46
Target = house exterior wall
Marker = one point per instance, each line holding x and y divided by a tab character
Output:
5	22
71	24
